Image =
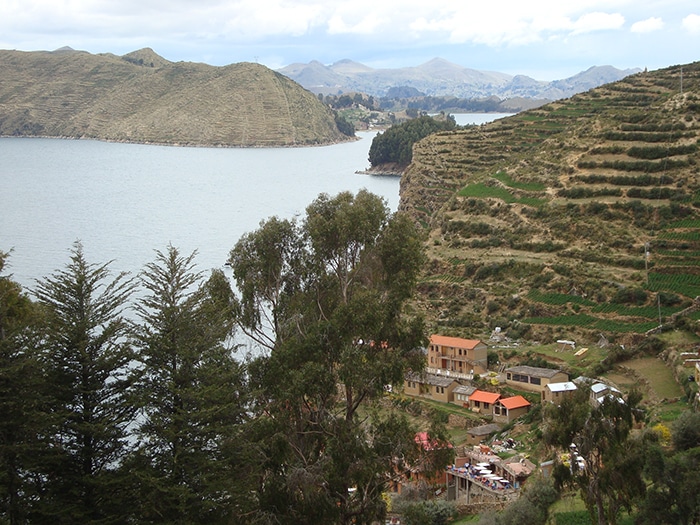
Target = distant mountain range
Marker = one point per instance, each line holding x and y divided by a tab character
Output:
439	77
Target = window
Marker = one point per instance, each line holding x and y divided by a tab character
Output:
535	380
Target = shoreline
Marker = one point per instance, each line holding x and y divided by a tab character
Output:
184	144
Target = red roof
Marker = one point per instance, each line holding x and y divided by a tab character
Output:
423	439
514	402
484	397
454	342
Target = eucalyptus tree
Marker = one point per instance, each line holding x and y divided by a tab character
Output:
611	479
86	355
192	399
335	288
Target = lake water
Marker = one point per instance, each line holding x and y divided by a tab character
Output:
124	201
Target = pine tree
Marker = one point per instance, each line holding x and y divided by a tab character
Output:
22	410
191	396
87	358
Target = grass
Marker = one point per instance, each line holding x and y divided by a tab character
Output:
658	374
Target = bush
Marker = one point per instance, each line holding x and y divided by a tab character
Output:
435	512
632	295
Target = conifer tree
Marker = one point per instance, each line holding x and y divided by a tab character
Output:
191	397
87	359
22	410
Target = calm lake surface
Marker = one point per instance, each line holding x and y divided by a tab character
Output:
124	201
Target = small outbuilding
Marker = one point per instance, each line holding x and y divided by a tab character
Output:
508	409
482	402
461	395
556	392
476	435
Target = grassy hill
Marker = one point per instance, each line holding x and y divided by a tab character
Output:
142	97
575	219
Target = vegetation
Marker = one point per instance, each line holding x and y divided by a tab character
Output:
155	420
395	144
594	199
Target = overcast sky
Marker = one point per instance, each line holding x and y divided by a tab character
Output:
545	39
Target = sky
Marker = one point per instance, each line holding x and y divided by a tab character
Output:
544	39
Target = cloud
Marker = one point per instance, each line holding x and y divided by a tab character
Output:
648	26
598	21
691	23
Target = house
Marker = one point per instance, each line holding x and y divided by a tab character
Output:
482	402
533	378
476	435
423	469
457	355
601	391
508	409
461	395
431	386
556	392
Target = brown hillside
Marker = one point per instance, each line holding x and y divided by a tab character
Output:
142	97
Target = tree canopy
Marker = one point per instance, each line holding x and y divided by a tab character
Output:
325	298
395	145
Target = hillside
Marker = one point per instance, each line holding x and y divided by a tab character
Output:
439	78
141	97
575	219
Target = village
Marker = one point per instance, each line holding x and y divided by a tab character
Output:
479	474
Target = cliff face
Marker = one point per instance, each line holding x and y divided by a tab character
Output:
142	97
582	215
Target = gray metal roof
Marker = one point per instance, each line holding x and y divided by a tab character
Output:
484	430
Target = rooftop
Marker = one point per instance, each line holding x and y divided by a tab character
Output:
454	342
562	387
484	397
514	402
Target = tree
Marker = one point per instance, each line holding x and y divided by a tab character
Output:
336	295
191	397
396	143
22	408
87	359
673	476
612	477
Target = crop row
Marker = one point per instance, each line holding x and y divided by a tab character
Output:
587	321
482	191
557	299
527	186
684	284
625	180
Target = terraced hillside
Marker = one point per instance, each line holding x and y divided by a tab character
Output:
579	218
141	97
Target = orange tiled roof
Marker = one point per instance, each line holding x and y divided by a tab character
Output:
484	397
455	342
514	402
